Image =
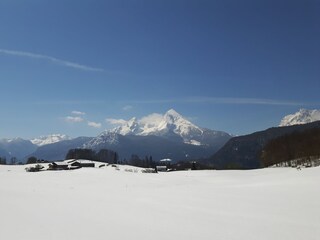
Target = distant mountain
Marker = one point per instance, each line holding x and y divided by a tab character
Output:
16	147
303	116
244	152
20	148
171	125
162	136
53	138
58	150
155	146
4	153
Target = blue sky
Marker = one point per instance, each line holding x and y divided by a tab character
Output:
231	65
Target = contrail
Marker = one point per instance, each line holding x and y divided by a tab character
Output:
51	59
224	100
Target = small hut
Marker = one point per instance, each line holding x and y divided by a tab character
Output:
164	165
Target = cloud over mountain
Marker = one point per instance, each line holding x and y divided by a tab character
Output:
303	116
94	124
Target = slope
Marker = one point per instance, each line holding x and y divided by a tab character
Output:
17	148
244	152
58	150
104	203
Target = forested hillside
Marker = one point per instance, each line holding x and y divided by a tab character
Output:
292	146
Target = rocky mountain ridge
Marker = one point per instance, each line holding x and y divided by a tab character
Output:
303	116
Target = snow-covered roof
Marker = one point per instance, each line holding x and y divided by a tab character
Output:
60	163
166	160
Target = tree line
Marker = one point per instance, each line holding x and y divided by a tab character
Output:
12	161
3	160
146	162
103	155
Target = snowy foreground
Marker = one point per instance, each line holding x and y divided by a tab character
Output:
105	203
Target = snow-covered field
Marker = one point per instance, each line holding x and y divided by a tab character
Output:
105	203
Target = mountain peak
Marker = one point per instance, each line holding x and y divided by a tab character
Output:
169	125
172	116
303	116
132	123
49	139
173	112
130	127
160	131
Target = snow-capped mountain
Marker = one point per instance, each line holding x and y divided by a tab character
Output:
108	137
162	136
16	147
168	135
58	150
170	125
21	148
303	116
53	138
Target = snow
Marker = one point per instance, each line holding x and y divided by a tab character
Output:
53	138
105	137
303	116
193	142
105	203
161	125
6	140
157	124
166	160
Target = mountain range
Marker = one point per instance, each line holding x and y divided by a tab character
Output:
16	147
162	136
50	139
245	152
170	125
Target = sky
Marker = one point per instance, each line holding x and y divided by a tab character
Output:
237	66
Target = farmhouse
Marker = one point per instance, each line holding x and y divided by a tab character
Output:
58	166
165	163
70	165
161	168
81	163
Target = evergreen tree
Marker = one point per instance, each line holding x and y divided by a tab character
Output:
3	161
13	160
32	160
292	146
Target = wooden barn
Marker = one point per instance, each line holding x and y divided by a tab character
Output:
71	165
58	166
81	163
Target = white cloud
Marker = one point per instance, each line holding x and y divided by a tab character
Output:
114	121
78	113
153	119
94	124
73	119
50	59
127	108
